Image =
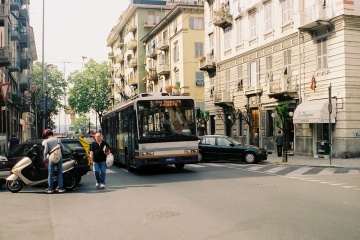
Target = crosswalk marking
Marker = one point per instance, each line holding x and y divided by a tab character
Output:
255	168
354	171
275	170
197	165
327	171
215	164
299	171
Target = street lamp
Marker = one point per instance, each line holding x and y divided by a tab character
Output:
43	59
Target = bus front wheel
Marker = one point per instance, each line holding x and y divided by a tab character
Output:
179	165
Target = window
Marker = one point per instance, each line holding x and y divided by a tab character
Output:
253	73
239	34
211	41
199	49
176	52
287	62
286	11
223	142
268	16
240	80
196	23
322	62
252	20
269	124
269	64
227	38
199	76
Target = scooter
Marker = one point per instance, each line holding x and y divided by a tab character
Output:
28	171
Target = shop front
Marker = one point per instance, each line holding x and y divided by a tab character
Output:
312	117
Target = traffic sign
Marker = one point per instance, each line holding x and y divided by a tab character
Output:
4	90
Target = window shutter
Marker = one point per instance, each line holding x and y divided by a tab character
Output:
191	22
289	62
249	74
258	72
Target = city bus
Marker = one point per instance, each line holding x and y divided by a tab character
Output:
152	129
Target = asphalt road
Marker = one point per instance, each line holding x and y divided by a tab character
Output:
205	201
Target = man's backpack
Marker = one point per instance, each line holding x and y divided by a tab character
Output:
55	154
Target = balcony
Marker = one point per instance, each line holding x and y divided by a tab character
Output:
4	56
23	16
15	33
110	68
118	74
118	43
14	65
223	98
207	64
110	55
151	53
111	82
119	58
253	90
16	99
164	69
132	63
222	16
14	5
150	22
132	44
152	75
131	27
283	89
24	60
163	45
315	16
24	38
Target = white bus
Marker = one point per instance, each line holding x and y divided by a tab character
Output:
153	129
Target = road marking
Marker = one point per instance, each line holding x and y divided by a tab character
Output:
275	170
349	186
254	168
327	171
314	180
299	171
196	165
336	184
215	165
354	171
110	171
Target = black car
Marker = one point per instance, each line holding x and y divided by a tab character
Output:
70	144
218	147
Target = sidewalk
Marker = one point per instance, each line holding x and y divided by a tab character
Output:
310	161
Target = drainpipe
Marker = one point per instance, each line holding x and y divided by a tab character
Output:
299	66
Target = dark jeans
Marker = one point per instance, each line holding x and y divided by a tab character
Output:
279	150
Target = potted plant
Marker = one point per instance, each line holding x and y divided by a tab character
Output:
168	89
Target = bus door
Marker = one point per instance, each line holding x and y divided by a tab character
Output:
131	135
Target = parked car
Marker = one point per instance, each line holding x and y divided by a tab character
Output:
18	152
218	147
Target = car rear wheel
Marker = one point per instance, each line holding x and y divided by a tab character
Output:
179	165
250	158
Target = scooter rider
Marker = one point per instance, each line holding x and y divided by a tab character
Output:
49	144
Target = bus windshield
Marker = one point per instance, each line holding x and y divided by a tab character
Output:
166	118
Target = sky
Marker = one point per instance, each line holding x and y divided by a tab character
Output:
73	29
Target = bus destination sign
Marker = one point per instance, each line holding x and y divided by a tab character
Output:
165	103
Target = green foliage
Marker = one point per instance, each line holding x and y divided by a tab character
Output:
55	86
282	112
90	91
82	124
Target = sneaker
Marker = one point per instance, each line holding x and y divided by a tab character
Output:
61	190
97	185
102	185
49	191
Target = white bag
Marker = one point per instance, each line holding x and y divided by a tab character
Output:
109	160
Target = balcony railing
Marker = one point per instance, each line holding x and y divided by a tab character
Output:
15	33
152	75
14	65
163	69
4	56
222	16
111	82
132	63
132	27
222	96
207	64
314	16
119	58
24	60
283	85
132	44
163	45
24	37
110	55
151	53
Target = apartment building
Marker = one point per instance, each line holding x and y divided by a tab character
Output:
127	51
173	48
265	53
17	53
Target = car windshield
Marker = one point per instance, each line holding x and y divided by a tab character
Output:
69	146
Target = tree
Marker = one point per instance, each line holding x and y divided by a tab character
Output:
82	124
54	88
283	113
91	90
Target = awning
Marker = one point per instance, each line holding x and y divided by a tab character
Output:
315	111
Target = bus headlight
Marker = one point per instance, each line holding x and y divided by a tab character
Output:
147	153
191	151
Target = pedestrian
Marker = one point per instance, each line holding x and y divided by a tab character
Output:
49	144
99	149
13	141
256	139
279	143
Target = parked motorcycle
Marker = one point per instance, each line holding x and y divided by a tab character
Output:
81	166
29	171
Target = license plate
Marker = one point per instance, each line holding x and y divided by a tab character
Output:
170	160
